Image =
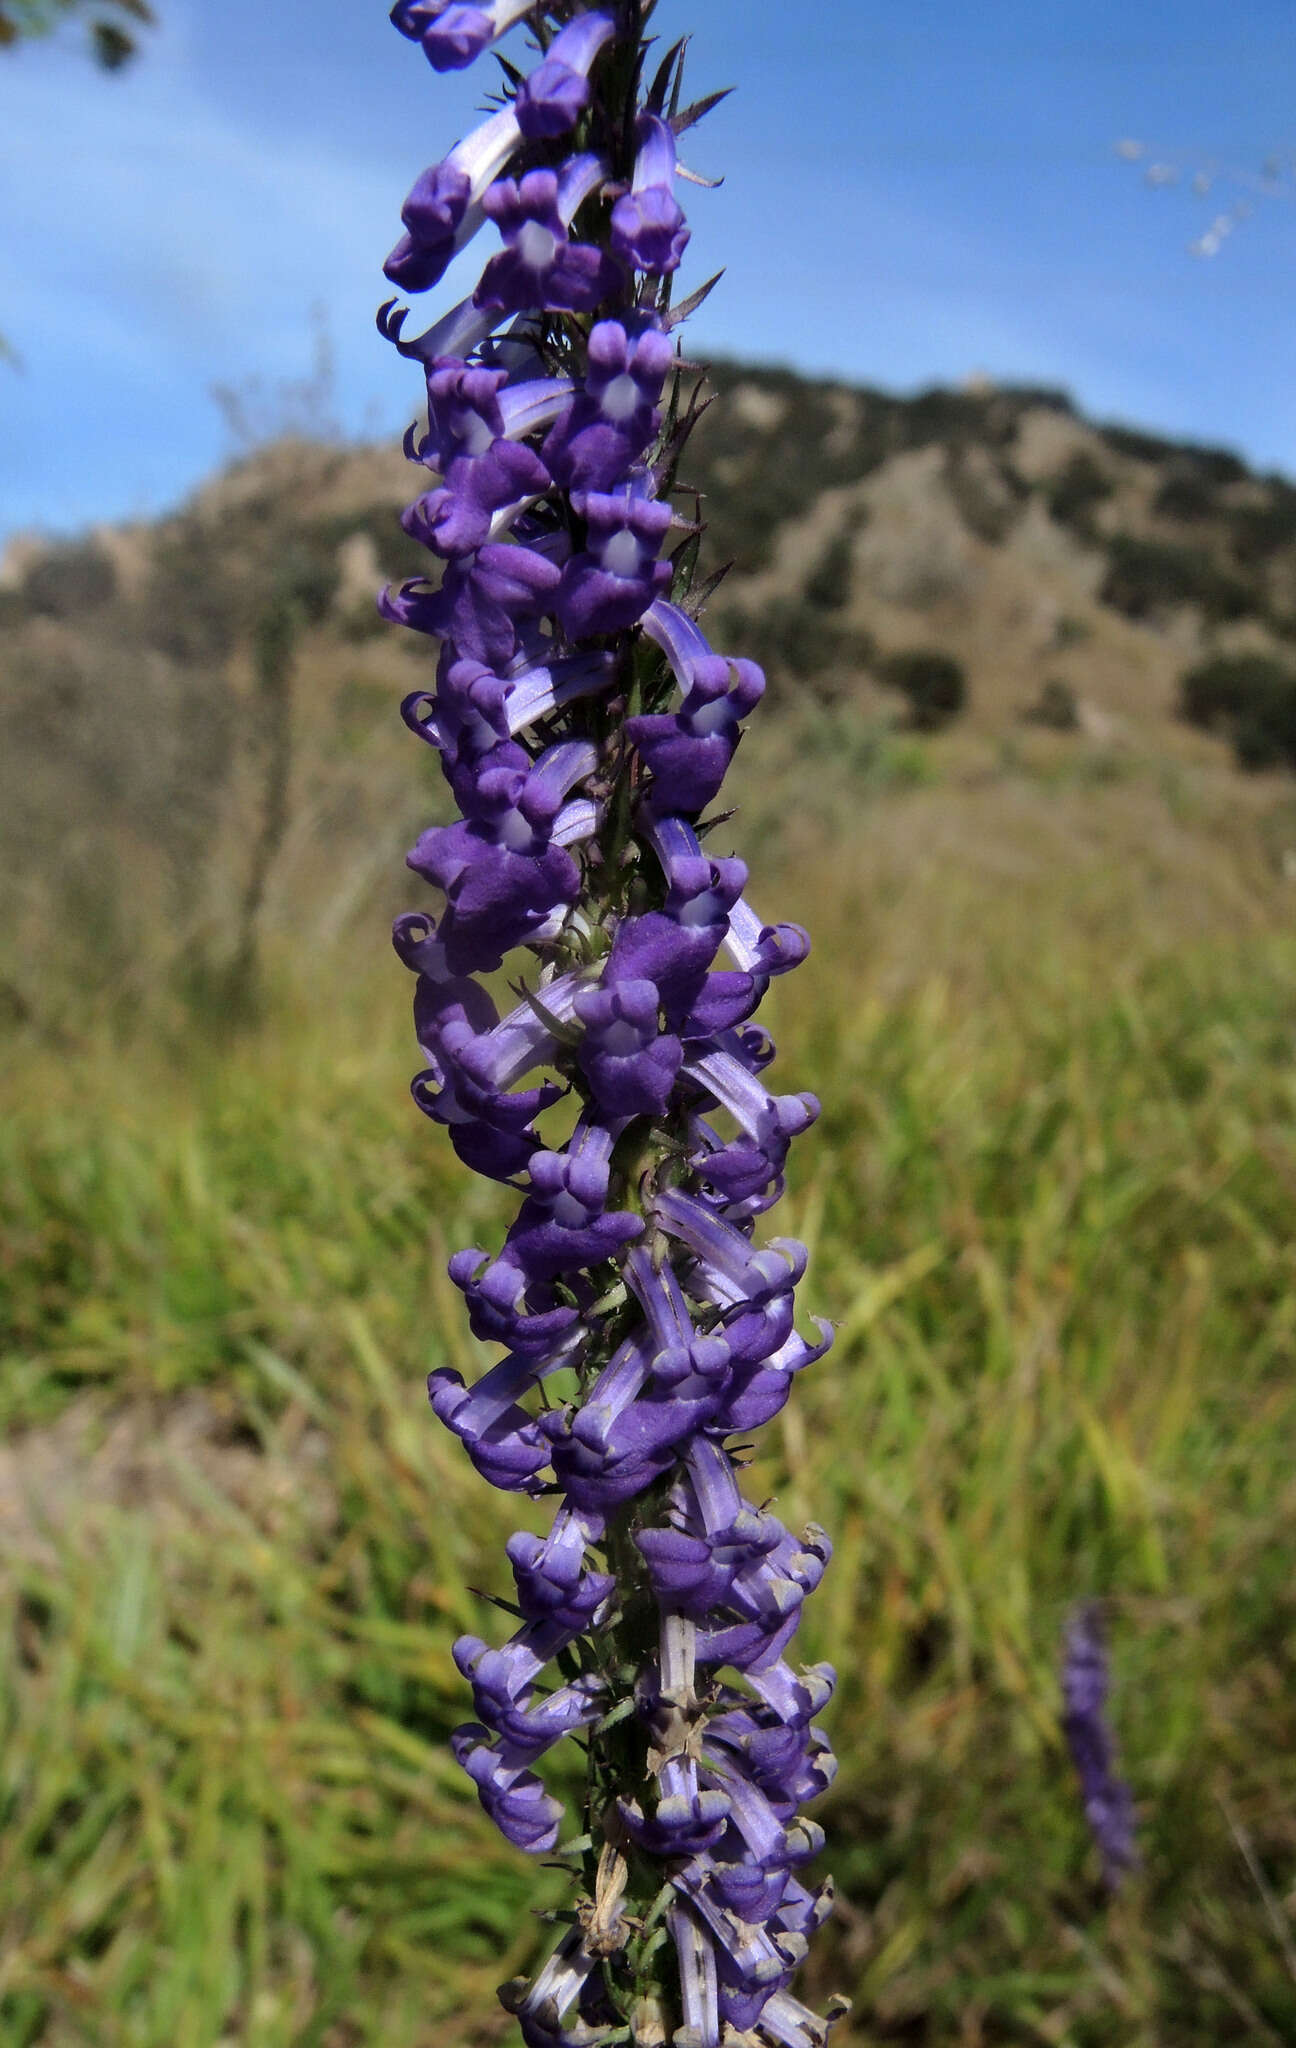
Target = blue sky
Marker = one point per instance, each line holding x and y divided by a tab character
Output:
909	197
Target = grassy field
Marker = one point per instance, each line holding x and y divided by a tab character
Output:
1050	1016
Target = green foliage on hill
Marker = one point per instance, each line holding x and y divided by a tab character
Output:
1258	532
830	583
1055	707
763	463
1252	700
933	685
1217	465
1079	487
1145	577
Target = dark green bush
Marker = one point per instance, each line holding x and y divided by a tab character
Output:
1259	531
1188	496
1055	707
195	604
304	578
1216	465
1252	700
934	684
1077	489
69	581
1147	576
828	586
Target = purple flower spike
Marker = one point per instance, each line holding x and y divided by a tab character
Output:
641	1327
648	229
1108	1802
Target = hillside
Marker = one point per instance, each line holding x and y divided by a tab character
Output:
197	721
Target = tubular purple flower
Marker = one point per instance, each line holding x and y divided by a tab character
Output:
555	95
540	266
476	440
444	209
456	334
583	723
630	1062
763	948
551	1579
514	1797
453	35
689	751
615	415
614	581
648	228
540	2007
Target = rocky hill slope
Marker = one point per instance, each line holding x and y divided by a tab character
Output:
190	710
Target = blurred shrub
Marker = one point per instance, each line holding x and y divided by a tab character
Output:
795	642
933	684
194	604
113	770
1147	576
1217	465
1258	531
828	586
775	440
301	582
986	490
806	439
112	42
399	557
1070	632
1076	491
68	581
866	754
1188	496
1055	707
1252	699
